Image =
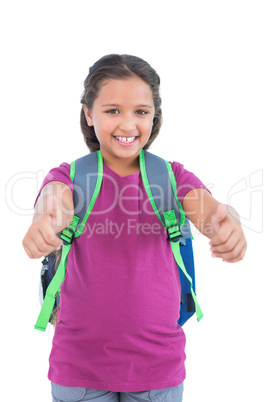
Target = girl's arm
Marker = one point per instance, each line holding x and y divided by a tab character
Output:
218	222
53	213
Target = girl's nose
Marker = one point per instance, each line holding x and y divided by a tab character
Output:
127	123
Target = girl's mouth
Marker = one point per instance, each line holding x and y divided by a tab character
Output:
126	140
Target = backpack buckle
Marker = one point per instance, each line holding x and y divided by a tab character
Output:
67	235
174	233
172	226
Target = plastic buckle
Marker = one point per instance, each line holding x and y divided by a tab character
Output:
174	233
67	235
172	226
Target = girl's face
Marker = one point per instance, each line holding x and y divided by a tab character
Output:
122	116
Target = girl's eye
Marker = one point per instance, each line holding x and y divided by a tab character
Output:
116	111
142	112
113	111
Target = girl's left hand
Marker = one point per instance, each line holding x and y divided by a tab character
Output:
228	240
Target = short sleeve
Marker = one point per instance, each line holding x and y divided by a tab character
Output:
61	173
186	180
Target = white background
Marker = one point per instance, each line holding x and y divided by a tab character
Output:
212	60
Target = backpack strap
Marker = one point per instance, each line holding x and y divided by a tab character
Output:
161	187
86	174
52	291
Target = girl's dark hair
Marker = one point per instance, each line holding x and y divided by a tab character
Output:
115	66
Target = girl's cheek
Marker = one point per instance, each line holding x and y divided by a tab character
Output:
107	124
147	126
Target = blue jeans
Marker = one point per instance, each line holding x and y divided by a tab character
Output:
74	394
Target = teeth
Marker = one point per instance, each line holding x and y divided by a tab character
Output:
124	139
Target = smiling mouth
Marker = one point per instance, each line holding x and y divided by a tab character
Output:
126	140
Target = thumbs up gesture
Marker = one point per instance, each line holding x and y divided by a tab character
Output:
53	212
228	241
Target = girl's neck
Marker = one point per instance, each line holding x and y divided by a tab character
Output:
123	167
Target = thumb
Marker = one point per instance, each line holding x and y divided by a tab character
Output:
54	211
47	204
219	216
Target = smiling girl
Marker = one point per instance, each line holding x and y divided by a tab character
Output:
117	337
122	123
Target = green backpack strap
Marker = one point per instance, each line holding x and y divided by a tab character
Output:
82	170
52	290
155	170
174	231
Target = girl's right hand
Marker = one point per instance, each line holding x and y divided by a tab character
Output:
53	213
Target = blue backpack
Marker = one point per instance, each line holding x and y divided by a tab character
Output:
161	187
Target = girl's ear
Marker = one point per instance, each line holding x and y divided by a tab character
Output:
88	116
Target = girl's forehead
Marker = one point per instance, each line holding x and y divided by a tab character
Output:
125	89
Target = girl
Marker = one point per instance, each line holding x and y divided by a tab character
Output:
117	336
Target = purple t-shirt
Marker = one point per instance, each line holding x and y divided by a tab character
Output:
117	325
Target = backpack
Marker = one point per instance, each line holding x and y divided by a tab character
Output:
161	187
